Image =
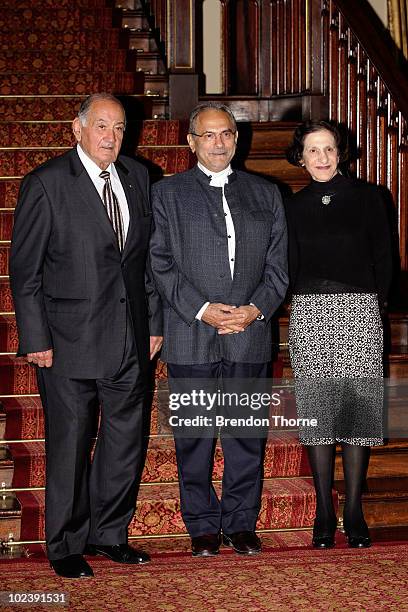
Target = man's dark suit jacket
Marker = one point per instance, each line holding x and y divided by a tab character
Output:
190	263
71	285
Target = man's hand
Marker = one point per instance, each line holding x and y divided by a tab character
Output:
155	345
217	315
42	358
240	319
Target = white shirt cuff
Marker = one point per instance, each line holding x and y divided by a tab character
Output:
260	317
201	311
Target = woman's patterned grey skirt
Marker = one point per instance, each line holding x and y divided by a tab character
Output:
336	347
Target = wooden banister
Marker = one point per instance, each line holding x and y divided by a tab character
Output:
379	47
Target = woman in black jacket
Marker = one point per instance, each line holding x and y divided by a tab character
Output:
340	271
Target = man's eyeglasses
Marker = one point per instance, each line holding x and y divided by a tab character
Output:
226	135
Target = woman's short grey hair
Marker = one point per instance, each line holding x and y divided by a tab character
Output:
96	97
200	108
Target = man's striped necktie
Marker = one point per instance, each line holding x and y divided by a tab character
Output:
113	209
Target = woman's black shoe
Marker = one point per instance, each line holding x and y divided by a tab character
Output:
358	537
324	532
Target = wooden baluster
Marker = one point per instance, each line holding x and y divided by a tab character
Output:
342	72
333	63
288	47
392	144
372	149
302	59
352	83
362	113
296	28
226	82
403	192
163	20
383	126
265	52
280	26
274	29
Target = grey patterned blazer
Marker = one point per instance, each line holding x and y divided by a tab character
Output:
189	258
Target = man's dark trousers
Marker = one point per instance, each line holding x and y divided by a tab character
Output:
238	509
92	503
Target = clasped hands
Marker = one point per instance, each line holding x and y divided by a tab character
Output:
229	319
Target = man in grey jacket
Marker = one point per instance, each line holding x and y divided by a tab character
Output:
219	260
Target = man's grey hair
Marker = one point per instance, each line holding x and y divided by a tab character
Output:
200	108
96	97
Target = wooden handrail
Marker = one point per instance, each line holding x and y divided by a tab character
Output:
380	48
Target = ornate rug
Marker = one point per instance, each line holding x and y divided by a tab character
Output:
340	579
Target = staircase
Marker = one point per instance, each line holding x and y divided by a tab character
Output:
49	59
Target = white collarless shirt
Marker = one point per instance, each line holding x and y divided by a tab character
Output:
219	179
94	171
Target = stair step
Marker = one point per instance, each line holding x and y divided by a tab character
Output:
39	108
19	162
25	418
385	503
389	460
285	458
17	376
135	19
42	4
48	134
4	260
286	504
10	517
2	422
398	324
6	224
8	193
156	85
157	132
66	39
162	161
270	138
6	468
160	107
55	19
141	41
279	169
8	334
105	60
149	63
68	83
6	301
167	161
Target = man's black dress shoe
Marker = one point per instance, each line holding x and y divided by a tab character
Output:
206	545
323	541
243	542
73	566
121	553
359	541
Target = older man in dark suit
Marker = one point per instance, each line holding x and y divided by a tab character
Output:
84	309
219	260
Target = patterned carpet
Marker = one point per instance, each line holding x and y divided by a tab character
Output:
340	579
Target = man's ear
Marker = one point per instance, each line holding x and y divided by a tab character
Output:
191	143
76	128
